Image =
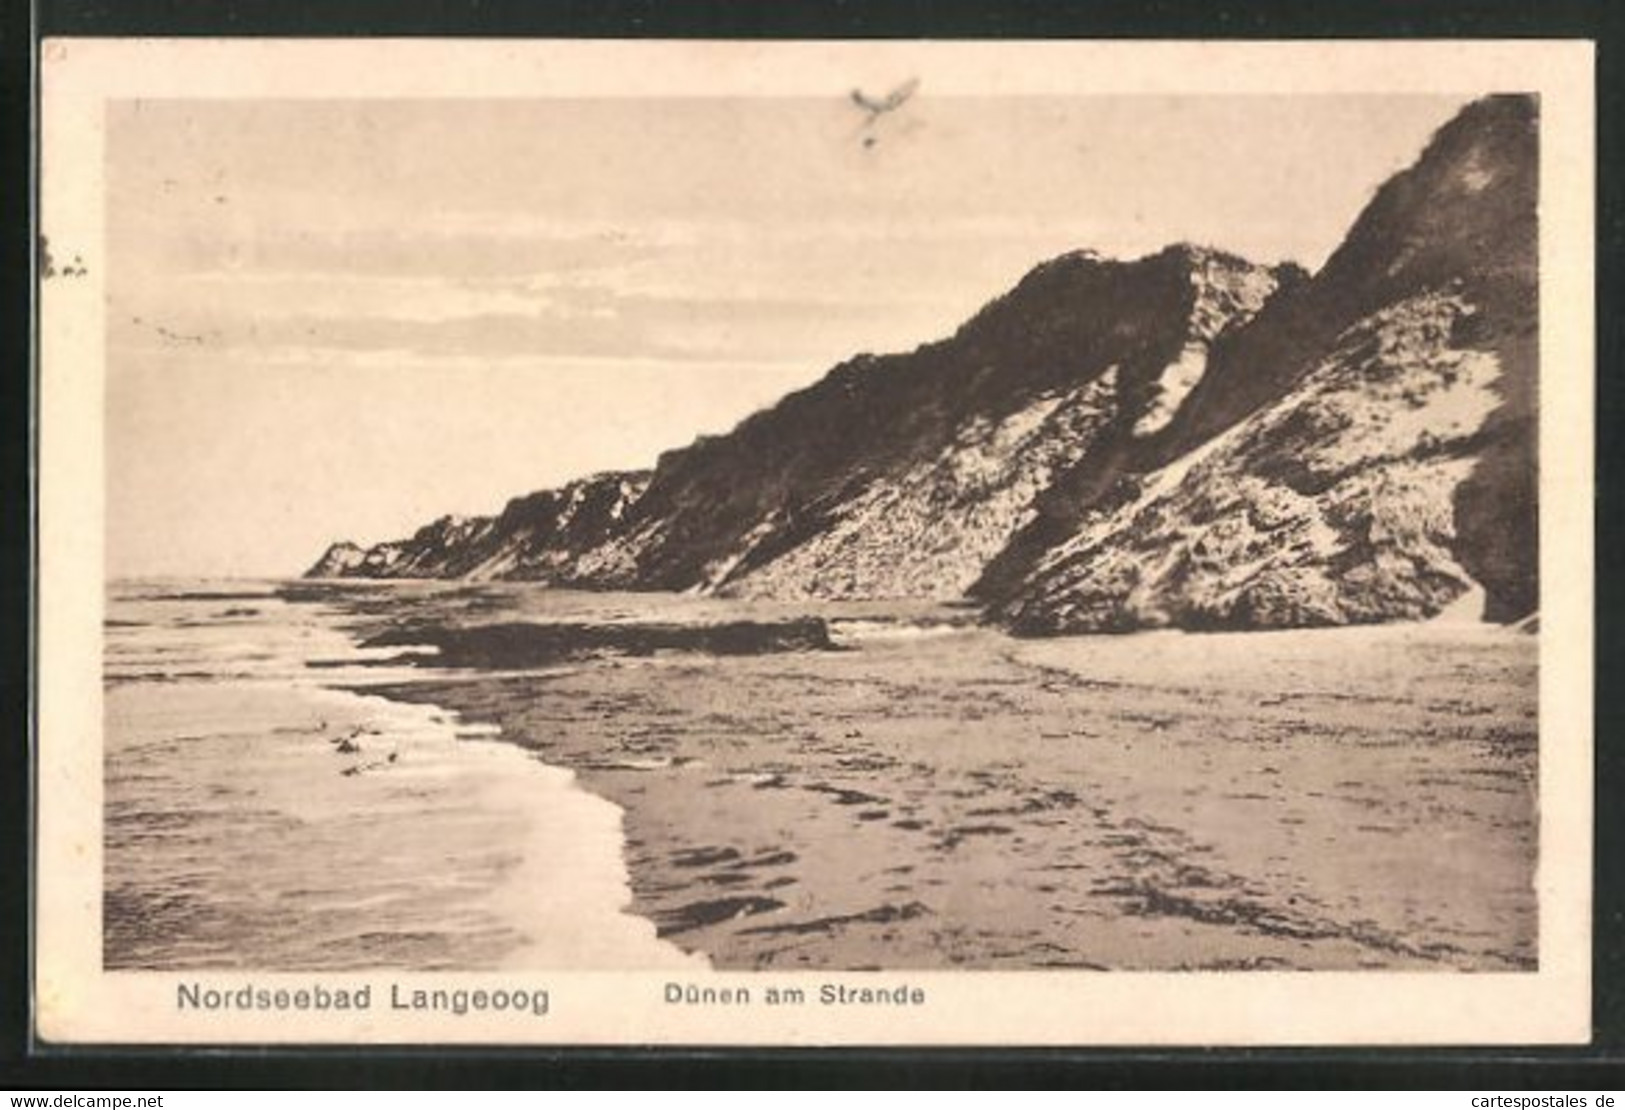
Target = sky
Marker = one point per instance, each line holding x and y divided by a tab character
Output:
341	319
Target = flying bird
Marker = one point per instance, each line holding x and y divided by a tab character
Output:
888	103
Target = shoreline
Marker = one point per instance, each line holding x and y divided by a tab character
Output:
970	800
262	811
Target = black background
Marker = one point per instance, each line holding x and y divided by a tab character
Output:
26	1065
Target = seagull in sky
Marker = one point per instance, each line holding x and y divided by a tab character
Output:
888	103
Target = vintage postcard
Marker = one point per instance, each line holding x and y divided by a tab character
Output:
814	543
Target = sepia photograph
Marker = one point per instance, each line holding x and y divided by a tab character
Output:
833	543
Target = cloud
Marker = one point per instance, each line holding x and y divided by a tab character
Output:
491	284
338	295
580	323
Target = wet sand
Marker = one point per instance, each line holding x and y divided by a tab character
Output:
1354	798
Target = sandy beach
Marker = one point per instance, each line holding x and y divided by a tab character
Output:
957	798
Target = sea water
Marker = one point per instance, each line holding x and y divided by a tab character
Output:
264	810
